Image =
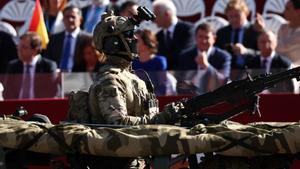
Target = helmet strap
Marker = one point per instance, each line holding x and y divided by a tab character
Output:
128	51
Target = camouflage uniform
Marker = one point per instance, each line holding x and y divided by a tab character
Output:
119	97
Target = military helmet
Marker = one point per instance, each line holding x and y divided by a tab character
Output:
114	35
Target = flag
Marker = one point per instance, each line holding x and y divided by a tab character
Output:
37	24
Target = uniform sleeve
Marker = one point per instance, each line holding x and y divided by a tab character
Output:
112	103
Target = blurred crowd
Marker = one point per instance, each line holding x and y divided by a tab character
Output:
181	56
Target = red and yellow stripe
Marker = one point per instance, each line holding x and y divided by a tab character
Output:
38	24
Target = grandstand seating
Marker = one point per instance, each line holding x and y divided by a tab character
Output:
8	28
18	13
216	21
191	10
273	22
80	3
274	6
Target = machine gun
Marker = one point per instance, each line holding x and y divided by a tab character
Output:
243	91
242	94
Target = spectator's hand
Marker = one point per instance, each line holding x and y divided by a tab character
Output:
172	112
239	49
202	60
259	23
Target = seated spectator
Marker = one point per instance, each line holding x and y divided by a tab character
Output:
30	76
239	37
64	46
211	64
53	15
92	58
154	64
92	14
175	35
269	61
289	33
8	28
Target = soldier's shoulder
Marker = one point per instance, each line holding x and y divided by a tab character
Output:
109	70
108	75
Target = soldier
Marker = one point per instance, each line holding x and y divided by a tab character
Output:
118	96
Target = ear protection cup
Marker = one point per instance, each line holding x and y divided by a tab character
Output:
112	44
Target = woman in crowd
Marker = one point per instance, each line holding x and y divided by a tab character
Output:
154	64
93	59
53	15
147	48
289	33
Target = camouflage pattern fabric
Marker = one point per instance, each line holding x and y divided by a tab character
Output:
119	97
228	138
78	107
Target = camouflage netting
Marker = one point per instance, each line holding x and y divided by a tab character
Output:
228	138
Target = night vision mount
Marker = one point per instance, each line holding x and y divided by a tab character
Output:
143	14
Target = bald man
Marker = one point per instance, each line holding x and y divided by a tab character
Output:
268	61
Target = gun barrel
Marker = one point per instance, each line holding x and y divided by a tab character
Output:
271	80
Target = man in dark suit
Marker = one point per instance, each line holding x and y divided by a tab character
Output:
208	67
64	46
175	35
239	37
30	76
268	61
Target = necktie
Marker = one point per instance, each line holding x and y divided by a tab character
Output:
240	61
26	82
66	61
236	36
264	63
93	19
168	39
